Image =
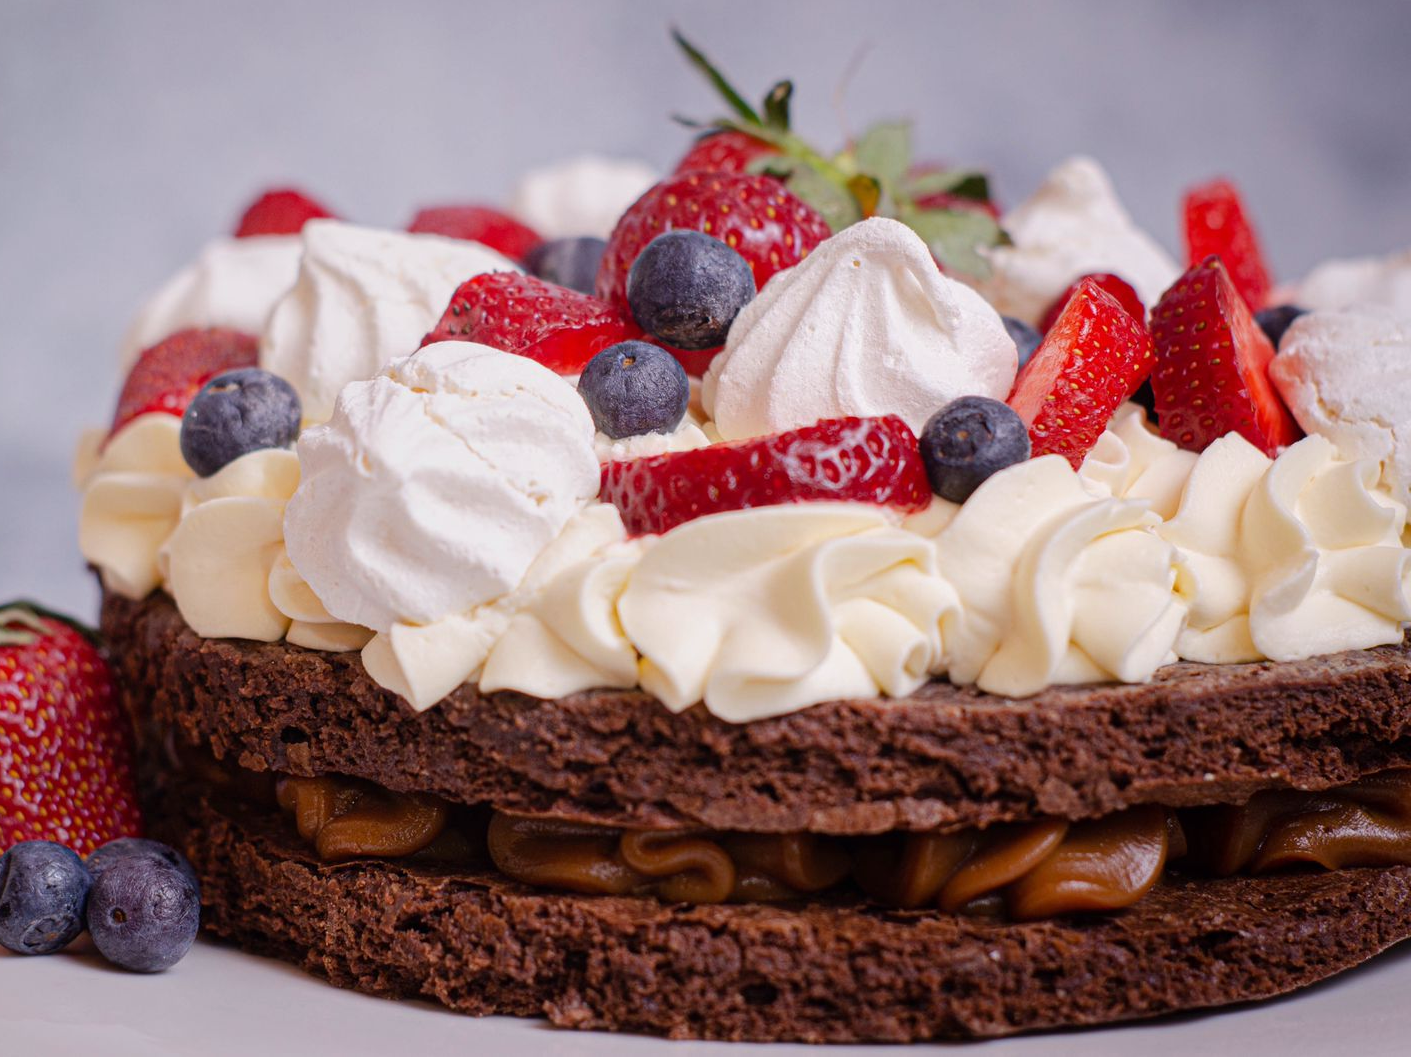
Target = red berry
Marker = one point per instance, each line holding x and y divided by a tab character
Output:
757	215
479	224
65	742
862	460
1118	287
1216	223
1212	366
726	151
283	211
168	375
1092	359
560	328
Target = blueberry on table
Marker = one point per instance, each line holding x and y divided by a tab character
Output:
967	441
634	388
43	889
143	914
571	263
1026	339
1275	320
236	413
103	857
686	289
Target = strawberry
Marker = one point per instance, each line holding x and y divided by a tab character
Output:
1212	366
726	151
757	215
863	460
65	743
1092	359
478	224
282	211
560	328
1118	287
170	373
1216	223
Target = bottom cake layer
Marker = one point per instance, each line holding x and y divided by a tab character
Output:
836	970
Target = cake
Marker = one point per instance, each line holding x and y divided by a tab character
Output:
797	661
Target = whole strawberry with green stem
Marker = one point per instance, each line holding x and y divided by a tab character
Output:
873	176
66	772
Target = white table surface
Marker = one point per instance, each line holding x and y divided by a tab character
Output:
222	1001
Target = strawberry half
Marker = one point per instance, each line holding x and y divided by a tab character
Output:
1092	359
481	224
726	151
283	211
1118	287
560	328
862	460
757	215
168	375
1216	223
1212	366
64	739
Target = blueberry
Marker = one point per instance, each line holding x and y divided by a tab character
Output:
967	441
686	288
571	263
43	888
143	914
236	413
1026	339
635	387
1274	320
103	857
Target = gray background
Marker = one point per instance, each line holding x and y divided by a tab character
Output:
132	132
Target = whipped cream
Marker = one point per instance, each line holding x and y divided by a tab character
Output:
685	438
1339	283
580	196
233	283
1131	461
436	484
362	297
865	325
132	498
1072	225
1346	375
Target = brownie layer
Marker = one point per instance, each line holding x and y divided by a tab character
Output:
823	971
945	757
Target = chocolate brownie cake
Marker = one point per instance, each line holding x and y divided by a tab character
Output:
735	627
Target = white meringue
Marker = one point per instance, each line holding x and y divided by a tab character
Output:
580	196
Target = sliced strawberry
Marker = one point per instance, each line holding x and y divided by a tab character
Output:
479	224
282	211
1092	359
1216	223
1212	366
862	460
1118	287
170	373
560	328
64	738
757	215
726	151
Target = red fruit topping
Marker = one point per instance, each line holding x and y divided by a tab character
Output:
65	742
1216	223
283	211
757	215
170	373
560	328
479	224
1118	287
727	151
1212	366
862	460
1092	359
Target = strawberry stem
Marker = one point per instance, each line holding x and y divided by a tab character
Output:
724	87
30	616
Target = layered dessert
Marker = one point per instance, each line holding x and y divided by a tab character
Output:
792	600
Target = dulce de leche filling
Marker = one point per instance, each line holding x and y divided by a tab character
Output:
1025	871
